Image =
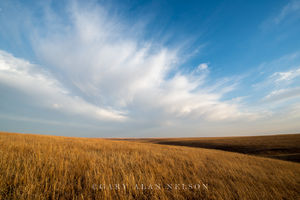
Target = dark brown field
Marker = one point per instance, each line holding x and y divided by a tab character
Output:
52	167
283	147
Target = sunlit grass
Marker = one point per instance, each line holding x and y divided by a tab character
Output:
283	147
50	167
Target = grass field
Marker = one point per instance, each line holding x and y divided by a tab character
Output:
51	167
283	147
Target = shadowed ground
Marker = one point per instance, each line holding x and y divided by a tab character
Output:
283	147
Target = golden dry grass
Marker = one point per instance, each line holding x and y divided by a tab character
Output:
283	147
50	167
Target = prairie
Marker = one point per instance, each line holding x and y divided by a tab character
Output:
283	147
53	167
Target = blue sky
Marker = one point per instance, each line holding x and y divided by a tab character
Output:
150	68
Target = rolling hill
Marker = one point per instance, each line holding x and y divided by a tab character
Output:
52	167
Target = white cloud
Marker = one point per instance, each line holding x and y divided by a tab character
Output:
100	56
292	7
202	66
286	76
282	94
96	66
46	90
288	15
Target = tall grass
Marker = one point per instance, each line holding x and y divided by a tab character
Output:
283	147
50	167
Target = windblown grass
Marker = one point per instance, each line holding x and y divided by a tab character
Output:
283	147
50	167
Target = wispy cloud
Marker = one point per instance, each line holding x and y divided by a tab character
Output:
277	86
289	13
286	76
282	94
291	8
102	60
46	90
95	65
271	74
202	66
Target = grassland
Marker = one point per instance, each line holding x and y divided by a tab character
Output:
283	147
51	167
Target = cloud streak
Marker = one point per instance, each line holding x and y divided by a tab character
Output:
96	66
46	90
292	7
105	63
282	94
286	76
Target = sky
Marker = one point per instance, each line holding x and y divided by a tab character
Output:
150	68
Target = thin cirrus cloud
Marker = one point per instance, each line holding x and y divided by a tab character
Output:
97	67
293	7
47	91
286	76
103	62
289	13
280	80
282	94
